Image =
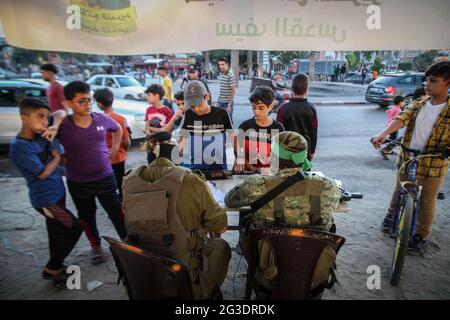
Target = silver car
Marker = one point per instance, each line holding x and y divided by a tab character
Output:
11	92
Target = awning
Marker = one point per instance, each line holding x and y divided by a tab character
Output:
99	64
153	61
135	27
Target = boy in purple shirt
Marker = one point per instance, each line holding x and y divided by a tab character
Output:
89	171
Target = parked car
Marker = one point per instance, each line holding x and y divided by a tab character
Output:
134	112
123	87
383	90
145	78
356	78
11	92
42	82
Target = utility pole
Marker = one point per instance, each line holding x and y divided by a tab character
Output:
235	65
207	64
312	62
250	63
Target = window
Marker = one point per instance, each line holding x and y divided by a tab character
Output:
98	81
7	98
406	80
10	97
109	82
420	80
128	82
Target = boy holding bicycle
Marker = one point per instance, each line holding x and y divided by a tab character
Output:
427	123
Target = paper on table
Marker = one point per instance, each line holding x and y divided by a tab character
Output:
217	194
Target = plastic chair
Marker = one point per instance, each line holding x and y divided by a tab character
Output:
296	254
148	276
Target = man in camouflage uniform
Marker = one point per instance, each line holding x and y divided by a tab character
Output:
307	203
198	212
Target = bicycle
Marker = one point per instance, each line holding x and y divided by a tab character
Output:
407	208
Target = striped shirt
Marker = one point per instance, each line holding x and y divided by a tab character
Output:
226	81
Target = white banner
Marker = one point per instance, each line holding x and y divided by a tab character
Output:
128	27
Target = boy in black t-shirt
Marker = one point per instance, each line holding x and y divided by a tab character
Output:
206	129
258	131
299	115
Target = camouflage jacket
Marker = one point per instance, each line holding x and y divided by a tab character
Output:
310	202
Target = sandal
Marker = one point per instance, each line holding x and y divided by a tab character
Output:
59	280
98	259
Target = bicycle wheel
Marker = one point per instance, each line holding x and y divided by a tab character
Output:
402	238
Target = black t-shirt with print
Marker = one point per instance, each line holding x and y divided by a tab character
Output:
208	129
257	141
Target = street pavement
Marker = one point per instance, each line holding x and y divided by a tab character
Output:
344	152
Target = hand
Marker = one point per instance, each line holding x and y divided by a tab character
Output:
239	165
178	114
229	108
113	152
378	140
50	133
312	155
55	154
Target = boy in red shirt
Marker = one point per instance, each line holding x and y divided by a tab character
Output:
158	117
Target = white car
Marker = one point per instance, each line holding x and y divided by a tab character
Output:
145	78
123	87
134	113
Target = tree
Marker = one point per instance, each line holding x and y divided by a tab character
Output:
353	61
234	65
25	57
378	65
250	64
423	61
286	56
312	62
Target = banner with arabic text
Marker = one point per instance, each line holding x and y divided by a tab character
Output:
128	27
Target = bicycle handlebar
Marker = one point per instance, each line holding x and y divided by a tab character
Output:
444	154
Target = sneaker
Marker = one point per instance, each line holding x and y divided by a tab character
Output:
386	226
417	246
441	196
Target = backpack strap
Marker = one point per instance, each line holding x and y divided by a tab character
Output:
272	194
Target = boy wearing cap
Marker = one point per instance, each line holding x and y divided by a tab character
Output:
206	127
194	74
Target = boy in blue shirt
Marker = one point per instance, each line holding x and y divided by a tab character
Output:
37	159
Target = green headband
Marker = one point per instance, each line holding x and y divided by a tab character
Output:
299	158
